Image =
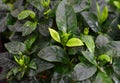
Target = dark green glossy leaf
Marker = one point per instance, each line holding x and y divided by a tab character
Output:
66	17
28	28
44	25
31	73
59	78
33	65
90	57
83	72
53	54
101	40
115	78
17	11
103	78
42	65
88	40
29	41
3	24
37	4
15	47
112	49
116	65
80	5
3	73
17	27
74	2
5	62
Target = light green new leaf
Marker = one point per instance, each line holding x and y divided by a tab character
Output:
98	12
118	26
74	42
24	14
104	57
103	78
55	35
104	14
117	4
88	40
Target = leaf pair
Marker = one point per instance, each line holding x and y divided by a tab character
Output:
102	16
70	43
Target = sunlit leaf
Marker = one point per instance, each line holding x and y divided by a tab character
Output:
74	42
25	13
55	35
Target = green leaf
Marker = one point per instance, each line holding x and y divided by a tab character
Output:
101	40
42	65
83	72
74	2
60	78
103	78
90	57
37	4
24	14
112	49
31	73
74	42
33	65
28	28
10	20
88	40
15	47
29	41
45	3
116	65
117	4
20	74
98	12
26	59
53	54
3	24
118	26
15	70
44	26
104	57
104	14
55	35
66	18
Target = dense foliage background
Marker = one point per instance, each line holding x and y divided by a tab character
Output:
60	41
